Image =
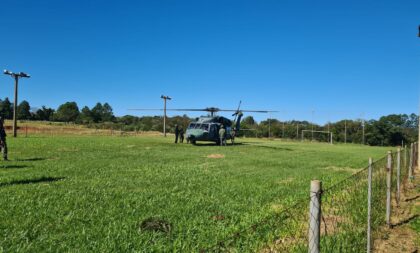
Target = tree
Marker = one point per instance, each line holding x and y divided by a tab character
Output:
6	110
44	113
249	120
107	114
86	115
67	112
102	113
23	111
97	113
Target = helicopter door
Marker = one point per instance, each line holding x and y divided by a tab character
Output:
213	133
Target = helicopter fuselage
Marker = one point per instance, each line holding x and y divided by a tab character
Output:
207	129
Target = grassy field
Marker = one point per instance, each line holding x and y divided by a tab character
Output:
93	193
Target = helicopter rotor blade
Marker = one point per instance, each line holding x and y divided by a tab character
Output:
260	111
143	109
237	111
195	110
209	109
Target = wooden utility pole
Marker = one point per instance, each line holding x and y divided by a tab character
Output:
418	141
164	112
15	107
16	76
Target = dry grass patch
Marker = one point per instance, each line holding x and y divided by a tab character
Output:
216	156
277	208
330	224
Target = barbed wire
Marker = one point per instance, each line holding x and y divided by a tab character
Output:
343	220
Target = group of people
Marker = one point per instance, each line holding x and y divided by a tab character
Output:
179	134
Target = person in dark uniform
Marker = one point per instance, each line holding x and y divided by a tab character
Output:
181	134
176	133
3	144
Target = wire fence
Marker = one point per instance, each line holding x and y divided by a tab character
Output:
60	129
345	217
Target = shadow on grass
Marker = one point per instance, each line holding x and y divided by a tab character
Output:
412	198
215	145
13	166
270	147
407	220
32	181
31	159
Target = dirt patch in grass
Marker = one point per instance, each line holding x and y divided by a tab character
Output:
286	180
401	237
216	156
65	149
277	208
218	217
286	244
154	224
330	224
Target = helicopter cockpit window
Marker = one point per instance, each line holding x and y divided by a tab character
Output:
204	127
192	126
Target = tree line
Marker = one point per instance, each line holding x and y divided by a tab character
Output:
67	112
389	130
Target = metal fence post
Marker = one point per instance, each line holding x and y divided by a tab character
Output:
398	174
315	216
410	167
369	205
416	154
405	157
388	188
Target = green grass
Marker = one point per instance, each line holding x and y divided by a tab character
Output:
92	193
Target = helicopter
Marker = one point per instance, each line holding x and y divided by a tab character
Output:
206	128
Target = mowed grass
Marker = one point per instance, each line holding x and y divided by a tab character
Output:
91	194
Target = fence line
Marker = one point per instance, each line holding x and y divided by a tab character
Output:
345	217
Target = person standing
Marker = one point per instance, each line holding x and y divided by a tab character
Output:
222	135
3	144
181	135
176	133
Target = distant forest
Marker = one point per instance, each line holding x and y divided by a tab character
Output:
390	130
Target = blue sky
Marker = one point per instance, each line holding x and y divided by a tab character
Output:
341	59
